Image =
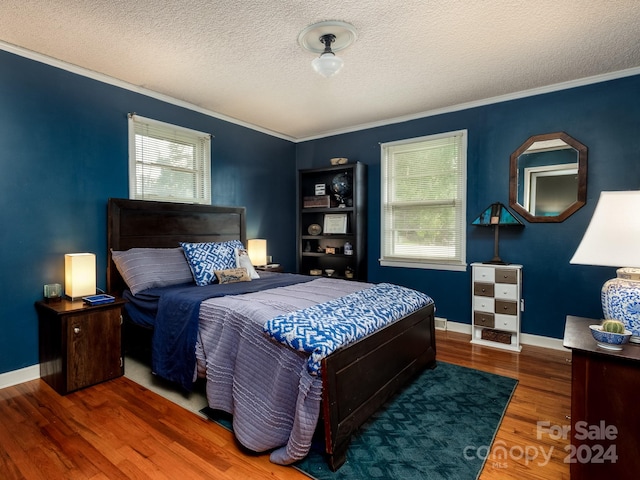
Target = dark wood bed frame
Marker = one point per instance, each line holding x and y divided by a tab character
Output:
356	379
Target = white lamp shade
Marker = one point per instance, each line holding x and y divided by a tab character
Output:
79	274
257	249
613	236
327	64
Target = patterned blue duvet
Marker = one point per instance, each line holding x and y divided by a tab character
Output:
321	329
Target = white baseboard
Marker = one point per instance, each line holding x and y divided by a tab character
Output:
525	338
27	374
21	375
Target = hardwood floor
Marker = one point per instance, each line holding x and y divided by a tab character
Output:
119	429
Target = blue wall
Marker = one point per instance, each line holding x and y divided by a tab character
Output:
63	148
64	152
604	116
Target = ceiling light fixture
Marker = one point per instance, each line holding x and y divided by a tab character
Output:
327	38
327	64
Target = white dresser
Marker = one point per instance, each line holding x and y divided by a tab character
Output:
497	305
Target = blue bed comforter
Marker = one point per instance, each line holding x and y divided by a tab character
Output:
175	328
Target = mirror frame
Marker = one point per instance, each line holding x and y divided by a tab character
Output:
582	178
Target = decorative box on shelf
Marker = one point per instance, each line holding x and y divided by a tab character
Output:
496	335
316	201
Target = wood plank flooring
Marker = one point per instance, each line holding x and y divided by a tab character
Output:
120	430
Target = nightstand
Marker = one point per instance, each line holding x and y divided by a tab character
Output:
604	419
272	267
79	345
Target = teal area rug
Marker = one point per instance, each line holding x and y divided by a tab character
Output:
437	428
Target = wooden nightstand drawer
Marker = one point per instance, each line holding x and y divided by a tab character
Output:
483	319
506	275
483	289
506	307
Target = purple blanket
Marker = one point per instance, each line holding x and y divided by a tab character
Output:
265	385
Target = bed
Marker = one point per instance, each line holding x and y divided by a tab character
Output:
354	380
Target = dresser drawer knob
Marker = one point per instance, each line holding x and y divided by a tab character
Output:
76	330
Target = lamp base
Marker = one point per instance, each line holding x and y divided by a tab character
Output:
496	262
621	300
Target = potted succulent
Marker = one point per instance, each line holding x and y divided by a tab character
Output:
611	334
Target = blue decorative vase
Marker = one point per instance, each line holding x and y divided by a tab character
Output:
621	300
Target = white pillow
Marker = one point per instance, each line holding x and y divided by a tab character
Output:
243	261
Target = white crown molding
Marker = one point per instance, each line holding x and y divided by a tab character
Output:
481	103
101	77
39	57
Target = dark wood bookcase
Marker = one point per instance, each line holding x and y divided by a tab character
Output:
326	250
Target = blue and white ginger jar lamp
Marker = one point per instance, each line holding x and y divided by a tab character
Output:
621	300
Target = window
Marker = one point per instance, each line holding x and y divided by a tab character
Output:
168	163
424	202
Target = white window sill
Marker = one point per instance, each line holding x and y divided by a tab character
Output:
455	267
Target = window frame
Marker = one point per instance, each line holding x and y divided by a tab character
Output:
171	133
459	262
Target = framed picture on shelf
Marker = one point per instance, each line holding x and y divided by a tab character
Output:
335	223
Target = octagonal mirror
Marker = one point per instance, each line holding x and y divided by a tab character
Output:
548	177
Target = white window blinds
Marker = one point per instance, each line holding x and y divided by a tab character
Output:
168	163
423	202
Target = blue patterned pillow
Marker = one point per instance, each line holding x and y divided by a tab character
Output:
205	258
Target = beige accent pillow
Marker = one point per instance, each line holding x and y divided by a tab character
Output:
232	275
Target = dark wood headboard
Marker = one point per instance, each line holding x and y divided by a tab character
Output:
146	224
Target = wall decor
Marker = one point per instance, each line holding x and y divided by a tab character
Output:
335	223
548	177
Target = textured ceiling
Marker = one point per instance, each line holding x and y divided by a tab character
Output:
241	59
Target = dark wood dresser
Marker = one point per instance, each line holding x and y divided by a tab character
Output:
80	345
605	415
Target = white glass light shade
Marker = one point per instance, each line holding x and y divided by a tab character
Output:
257	249
612	236
327	64
79	274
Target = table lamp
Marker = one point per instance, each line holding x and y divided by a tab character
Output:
257	250
79	275
496	215
612	239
